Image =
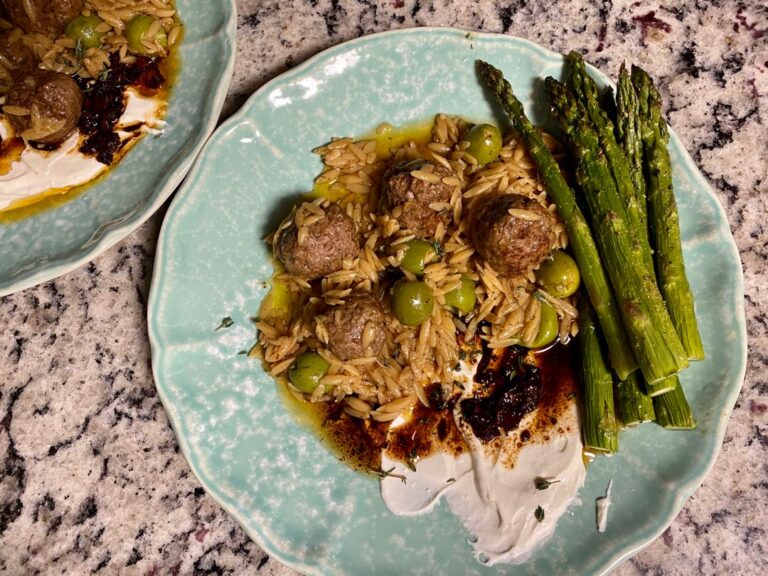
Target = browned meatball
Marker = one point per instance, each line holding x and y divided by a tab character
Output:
16	57
54	100
413	196
512	233
346	325
327	243
44	16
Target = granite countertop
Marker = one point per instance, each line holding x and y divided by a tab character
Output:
91	477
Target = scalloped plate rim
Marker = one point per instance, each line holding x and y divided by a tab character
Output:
680	493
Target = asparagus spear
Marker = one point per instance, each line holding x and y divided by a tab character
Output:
634	406
656	346
584	249
663	217
672	409
661	387
601	431
630	139
587	93
629	127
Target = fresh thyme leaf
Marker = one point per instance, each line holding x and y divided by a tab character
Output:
226	322
79	49
242	353
388	473
543	483
104	74
539	514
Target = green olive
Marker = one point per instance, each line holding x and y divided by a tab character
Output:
82	29
559	275
418	253
484	143
548	327
463	298
136	33
412	302
307	370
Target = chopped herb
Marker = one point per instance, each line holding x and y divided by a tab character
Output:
539	514
457	368
242	353
462	354
226	322
450	480
571	395
436	245
388	473
104	74
254	351
543	483
79	49
411	458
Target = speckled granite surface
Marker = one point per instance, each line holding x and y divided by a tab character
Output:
91	479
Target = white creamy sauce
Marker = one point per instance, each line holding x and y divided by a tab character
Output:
493	490
38	172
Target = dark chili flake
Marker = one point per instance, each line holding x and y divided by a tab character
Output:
539	514
435	396
513	390
102	145
104	103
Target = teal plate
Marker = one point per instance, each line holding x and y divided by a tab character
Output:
291	495
60	239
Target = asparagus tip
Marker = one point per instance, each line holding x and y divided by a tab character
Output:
489	74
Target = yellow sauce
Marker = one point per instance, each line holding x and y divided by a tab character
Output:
10	152
387	138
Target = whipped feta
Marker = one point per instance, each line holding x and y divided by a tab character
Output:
36	174
492	487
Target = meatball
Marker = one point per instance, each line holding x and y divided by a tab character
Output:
324	247
45	16
348	323
16	56
512	233
400	189
54	100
